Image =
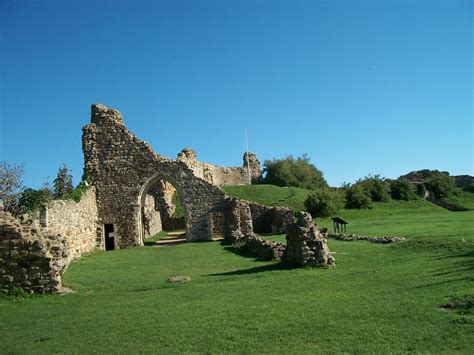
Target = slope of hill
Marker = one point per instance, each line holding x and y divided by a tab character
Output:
270	195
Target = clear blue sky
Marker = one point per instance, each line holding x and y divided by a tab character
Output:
363	87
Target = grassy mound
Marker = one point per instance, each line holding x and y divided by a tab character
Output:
270	195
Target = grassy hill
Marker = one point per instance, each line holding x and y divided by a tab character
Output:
270	195
378	298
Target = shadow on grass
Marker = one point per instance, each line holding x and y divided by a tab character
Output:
253	270
242	252
460	270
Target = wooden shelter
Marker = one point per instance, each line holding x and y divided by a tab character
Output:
339	224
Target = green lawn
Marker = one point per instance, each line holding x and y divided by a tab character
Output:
378	298
270	195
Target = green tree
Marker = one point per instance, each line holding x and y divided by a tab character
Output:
441	185
31	200
376	187
10	184
62	185
324	202
403	189
297	172
357	197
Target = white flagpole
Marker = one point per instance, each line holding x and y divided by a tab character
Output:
248	163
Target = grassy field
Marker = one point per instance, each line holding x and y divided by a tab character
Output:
270	195
378	298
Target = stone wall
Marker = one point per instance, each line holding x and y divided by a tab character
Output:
30	260
218	175
75	221
124	169
151	217
268	219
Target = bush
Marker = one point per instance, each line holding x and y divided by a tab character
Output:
402	189
376	187
357	197
324	202
31	199
76	193
441	185
297	172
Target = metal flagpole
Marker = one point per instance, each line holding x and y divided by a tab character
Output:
247	151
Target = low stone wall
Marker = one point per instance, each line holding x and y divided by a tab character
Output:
75	221
260	248
305	246
268	219
29	260
383	240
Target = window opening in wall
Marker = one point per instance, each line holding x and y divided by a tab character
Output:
109	237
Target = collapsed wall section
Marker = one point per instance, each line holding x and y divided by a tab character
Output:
29	260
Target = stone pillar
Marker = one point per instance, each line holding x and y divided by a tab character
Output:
305	246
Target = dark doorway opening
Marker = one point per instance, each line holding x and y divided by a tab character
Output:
109	237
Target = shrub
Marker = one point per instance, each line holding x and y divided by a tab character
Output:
357	197
324	202
76	193
297	172
402	189
441	185
31	199
376	187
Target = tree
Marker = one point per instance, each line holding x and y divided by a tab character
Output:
297	172
10	184
357	197
62	185
31	200
376	187
324	202
441	185
403	189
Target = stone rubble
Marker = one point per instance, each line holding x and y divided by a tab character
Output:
382	240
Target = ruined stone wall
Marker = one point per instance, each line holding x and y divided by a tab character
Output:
268	219
30	260
218	175
305	245
75	221
151	217
124	168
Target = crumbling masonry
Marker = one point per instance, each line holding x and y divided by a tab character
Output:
131	199
125	170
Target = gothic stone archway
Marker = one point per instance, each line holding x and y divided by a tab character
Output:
123	167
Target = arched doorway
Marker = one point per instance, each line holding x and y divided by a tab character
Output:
162	207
